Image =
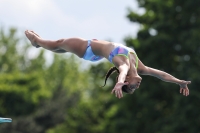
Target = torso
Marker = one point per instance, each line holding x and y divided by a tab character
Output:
104	48
78	46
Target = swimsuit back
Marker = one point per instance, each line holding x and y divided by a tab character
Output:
122	51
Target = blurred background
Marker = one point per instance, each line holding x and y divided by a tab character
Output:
45	92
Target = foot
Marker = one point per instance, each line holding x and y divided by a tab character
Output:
32	36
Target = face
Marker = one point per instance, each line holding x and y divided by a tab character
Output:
134	81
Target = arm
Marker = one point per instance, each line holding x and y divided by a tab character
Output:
123	69
161	75
167	78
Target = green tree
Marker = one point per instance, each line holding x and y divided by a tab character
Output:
95	106
17	87
167	40
36	96
73	101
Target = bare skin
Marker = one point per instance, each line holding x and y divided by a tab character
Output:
131	78
128	75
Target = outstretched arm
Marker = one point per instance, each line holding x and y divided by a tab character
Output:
161	75
123	69
167	78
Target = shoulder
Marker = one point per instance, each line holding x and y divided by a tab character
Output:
121	61
145	70
141	68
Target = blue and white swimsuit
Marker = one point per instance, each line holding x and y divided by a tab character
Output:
120	50
89	55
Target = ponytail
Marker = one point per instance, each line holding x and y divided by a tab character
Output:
110	72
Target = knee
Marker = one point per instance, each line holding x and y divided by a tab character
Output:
60	41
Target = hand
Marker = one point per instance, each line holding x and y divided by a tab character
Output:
118	89
183	87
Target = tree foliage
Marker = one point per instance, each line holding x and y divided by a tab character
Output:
34	95
167	40
63	98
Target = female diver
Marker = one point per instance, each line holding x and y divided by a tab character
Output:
125	60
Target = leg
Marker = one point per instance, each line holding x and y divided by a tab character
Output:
37	41
74	45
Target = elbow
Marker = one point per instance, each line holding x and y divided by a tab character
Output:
60	41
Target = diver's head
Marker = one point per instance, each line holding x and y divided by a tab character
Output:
133	80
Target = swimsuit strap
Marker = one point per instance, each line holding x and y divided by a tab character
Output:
120	51
89	42
136	65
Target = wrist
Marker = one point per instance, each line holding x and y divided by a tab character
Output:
119	84
181	82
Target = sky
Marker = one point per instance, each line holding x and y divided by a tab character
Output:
56	19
